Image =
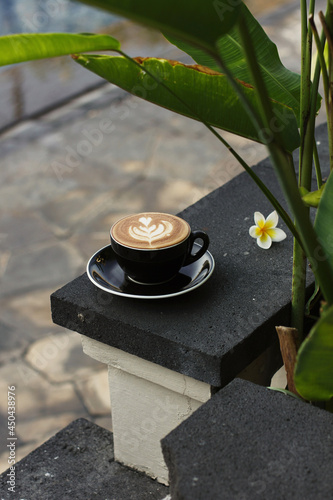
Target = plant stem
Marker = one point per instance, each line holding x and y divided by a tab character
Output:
320	267
289	343
305	82
327	23
306	150
317	166
320	53
307	118
283	165
305	166
298	288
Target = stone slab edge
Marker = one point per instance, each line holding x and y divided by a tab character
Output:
251	442
78	463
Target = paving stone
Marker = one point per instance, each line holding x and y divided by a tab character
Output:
34	158
35	397
95	393
154	194
79	210
4	259
35	80
78	463
182	155
26	327
22	230
10	341
140	141
58	119
24	132
91	242
175	195
19	325
73	210
32	307
40	268
59	357
7	112
34	189
141	197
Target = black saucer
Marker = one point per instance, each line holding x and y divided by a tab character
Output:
104	272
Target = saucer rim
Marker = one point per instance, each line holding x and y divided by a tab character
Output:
149	297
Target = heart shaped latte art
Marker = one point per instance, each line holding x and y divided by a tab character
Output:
148	232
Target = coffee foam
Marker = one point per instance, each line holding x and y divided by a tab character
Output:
150	230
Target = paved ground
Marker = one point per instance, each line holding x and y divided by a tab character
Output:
63	183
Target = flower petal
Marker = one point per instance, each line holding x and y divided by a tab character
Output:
276	234
272	220
264	241
254	231
259	219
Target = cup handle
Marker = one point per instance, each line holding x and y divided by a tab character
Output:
196	235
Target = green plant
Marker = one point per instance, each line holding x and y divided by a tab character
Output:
241	86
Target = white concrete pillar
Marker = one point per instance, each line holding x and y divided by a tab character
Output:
147	402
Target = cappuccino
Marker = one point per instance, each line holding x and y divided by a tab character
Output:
150	230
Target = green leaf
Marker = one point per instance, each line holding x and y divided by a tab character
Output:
313	198
284	391
314	368
282	84
324	220
197	22
27	47
313	300
203	94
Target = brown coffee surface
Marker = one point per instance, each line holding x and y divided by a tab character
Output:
150	230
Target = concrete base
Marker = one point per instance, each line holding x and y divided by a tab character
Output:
148	401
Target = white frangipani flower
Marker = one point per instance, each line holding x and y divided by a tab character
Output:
265	230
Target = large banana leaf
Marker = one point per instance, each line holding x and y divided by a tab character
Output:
324	220
314	369
197	22
27	47
202	94
282	84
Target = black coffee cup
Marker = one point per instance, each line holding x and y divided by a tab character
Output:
150	251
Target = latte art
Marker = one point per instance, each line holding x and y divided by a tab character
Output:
150	230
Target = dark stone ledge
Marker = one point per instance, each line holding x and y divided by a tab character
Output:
249	442
78	463
214	332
